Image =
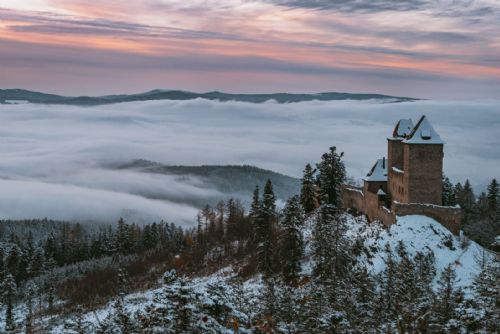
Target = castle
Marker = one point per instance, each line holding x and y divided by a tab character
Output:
408	182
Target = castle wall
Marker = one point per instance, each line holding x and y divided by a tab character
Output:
394	153
353	198
423	170
449	217
369	204
396	185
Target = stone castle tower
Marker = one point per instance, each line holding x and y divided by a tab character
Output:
415	163
409	182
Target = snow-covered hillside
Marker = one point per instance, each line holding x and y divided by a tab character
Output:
419	234
422	234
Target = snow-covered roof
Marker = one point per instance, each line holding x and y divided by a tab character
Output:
403	128
381	192
423	133
378	173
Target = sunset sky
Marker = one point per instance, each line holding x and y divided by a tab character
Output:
446	49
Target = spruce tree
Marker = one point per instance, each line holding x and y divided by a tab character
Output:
121	318
492	197
28	323
331	249
9	291
487	297
331	175
217	305
291	244
448	193
387	292
2	266
447	300
466	197
308	196
264	231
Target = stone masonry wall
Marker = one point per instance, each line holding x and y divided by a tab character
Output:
352	197
449	217
396	185
423	170
394	153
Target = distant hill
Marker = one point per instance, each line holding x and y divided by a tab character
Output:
231	181
7	95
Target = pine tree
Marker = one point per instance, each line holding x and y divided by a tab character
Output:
254	216
331	175
387	282
291	243
174	309
493	196
241	301
184	317
269	306
488	296
448	193
447	300
217	306
264	231
30	294
9	291
465	197
331	249
122	237
121	318
2	266
308	197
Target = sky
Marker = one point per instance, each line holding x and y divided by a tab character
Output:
436	49
55	159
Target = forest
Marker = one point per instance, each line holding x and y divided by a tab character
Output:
307	283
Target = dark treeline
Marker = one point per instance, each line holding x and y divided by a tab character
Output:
480	213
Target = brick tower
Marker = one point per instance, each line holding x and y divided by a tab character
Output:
415	163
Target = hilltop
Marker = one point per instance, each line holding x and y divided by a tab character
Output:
7	95
419	234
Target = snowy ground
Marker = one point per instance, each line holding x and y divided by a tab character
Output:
52	157
419	233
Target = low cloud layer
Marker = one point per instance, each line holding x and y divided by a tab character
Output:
53	158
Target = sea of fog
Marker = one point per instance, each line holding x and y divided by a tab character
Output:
53	157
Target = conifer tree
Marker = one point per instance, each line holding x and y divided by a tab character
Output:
308	196
2	266
28	323
493	196
387	291
269	305
447	299
121	318
9	291
488	296
465	197
217	306
264	231
331	175
448	193
291	244
331	249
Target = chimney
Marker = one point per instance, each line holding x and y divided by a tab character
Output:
383	162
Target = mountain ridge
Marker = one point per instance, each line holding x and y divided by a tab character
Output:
7	95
